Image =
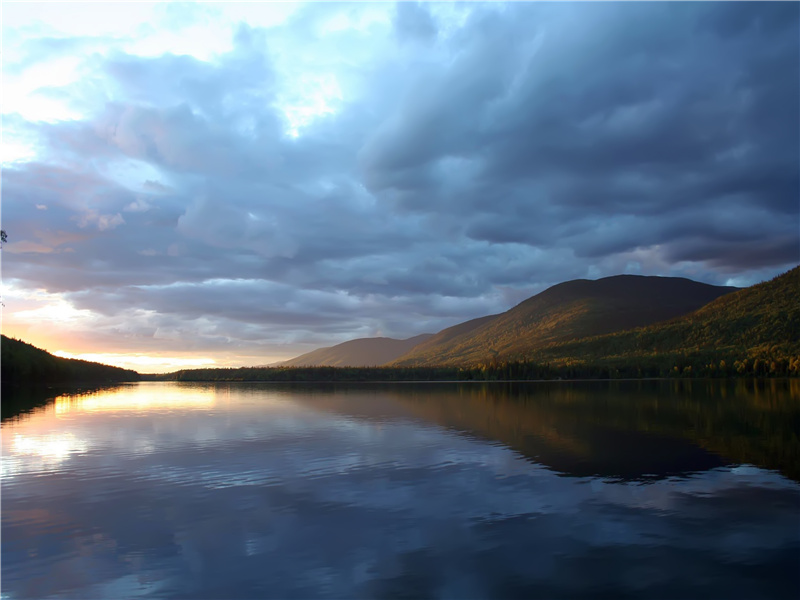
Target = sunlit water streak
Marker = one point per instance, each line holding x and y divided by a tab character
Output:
258	491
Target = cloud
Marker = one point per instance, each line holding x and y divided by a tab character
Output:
413	22
138	205
102	222
372	167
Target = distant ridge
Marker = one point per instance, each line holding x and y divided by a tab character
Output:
362	352
568	311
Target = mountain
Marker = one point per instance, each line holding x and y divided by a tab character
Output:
759	321
363	352
572	310
439	343
24	363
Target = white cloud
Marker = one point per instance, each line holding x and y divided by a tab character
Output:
138	205
102	222
24	91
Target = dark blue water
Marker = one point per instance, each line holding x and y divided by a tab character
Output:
554	490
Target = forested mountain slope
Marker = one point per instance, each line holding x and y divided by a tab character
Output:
441	342
568	311
762	321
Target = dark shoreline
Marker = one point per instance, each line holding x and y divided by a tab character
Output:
467	381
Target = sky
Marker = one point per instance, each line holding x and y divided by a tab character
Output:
235	184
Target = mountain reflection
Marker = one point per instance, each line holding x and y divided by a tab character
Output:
629	430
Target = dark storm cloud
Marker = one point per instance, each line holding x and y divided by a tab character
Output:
478	154
647	114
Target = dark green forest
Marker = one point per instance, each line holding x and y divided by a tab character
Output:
678	366
24	363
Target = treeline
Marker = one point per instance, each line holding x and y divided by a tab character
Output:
677	366
23	363
317	374
703	365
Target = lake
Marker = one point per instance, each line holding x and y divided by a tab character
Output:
635	489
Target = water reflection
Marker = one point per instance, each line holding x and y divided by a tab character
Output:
41	453
470	491
635	430
51	446
135	398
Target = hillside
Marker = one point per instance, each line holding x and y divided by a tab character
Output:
24	363
759	322
363	352
439	343
567	311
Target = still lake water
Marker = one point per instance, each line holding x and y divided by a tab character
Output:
548	490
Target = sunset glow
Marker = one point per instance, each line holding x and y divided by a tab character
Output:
142	363
136	399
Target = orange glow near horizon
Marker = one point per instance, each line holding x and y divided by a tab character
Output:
51	323
135	398
143	363
138	361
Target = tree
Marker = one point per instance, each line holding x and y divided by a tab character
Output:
3	240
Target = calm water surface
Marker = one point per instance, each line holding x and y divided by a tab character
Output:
551	490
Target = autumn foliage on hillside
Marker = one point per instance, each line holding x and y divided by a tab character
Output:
755	331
